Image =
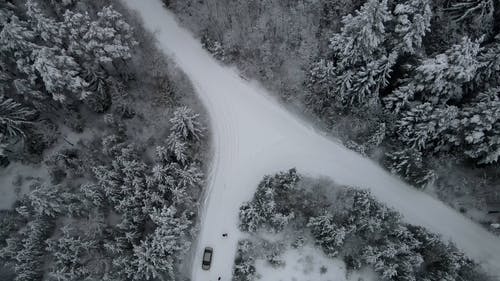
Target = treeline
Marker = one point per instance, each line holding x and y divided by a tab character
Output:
94	103
346	223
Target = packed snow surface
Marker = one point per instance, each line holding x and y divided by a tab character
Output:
253	136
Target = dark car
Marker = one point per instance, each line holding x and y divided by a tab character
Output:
207	258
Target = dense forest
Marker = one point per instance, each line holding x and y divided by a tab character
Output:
86	98
412	84
105	146
346	223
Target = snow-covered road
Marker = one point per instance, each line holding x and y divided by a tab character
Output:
253	136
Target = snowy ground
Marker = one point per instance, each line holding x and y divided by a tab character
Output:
15	181
253	136
309	264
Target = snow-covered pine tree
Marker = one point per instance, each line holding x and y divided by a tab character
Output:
413	20
362	35
5	77
367	81
189	177
6	11
13	117
111	37
178	147
429	129
321	85
250	218
10	222
244	263
365	52
362	64
158	254
377	137
186	125
401	98
488	75
107	39
264	211
93	196
415	128
100	85
17	45
71	252
449	262
327	233
26	251
442	78
46	200
408	164
48	29
77	25
61	75
480	126
480	14
161	173
393	260
368	216
354	146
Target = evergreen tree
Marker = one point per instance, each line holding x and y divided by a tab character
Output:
363	86
6	11
479	14
377	137
166	246
413	21
244	263
481	127
93	196
26	250
443	78
250	219
17	45
110	38
365	53
107	39
409	164
429	129
400	99
77	25
178	148
264	211
189	177
70	254
186	125
60	74
489	72
48	29
327	233
321	85
46	200
362	35
13	117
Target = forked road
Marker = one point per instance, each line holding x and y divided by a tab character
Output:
254	136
